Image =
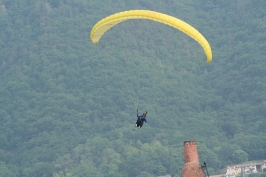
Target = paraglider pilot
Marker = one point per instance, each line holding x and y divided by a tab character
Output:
141	119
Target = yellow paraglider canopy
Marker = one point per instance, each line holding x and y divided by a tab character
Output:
105	24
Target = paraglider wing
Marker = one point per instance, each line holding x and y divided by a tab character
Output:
105	24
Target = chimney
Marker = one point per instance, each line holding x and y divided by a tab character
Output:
192	167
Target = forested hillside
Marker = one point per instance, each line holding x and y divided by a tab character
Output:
68	106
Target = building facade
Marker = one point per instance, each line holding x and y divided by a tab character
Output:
245	169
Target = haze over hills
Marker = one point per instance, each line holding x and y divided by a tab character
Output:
68	107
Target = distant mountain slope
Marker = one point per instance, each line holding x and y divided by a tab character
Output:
68	107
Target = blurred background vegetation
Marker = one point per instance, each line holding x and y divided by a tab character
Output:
68	107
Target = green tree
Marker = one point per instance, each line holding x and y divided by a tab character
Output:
5	171
239	156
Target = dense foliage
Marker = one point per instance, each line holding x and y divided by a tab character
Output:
67	106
